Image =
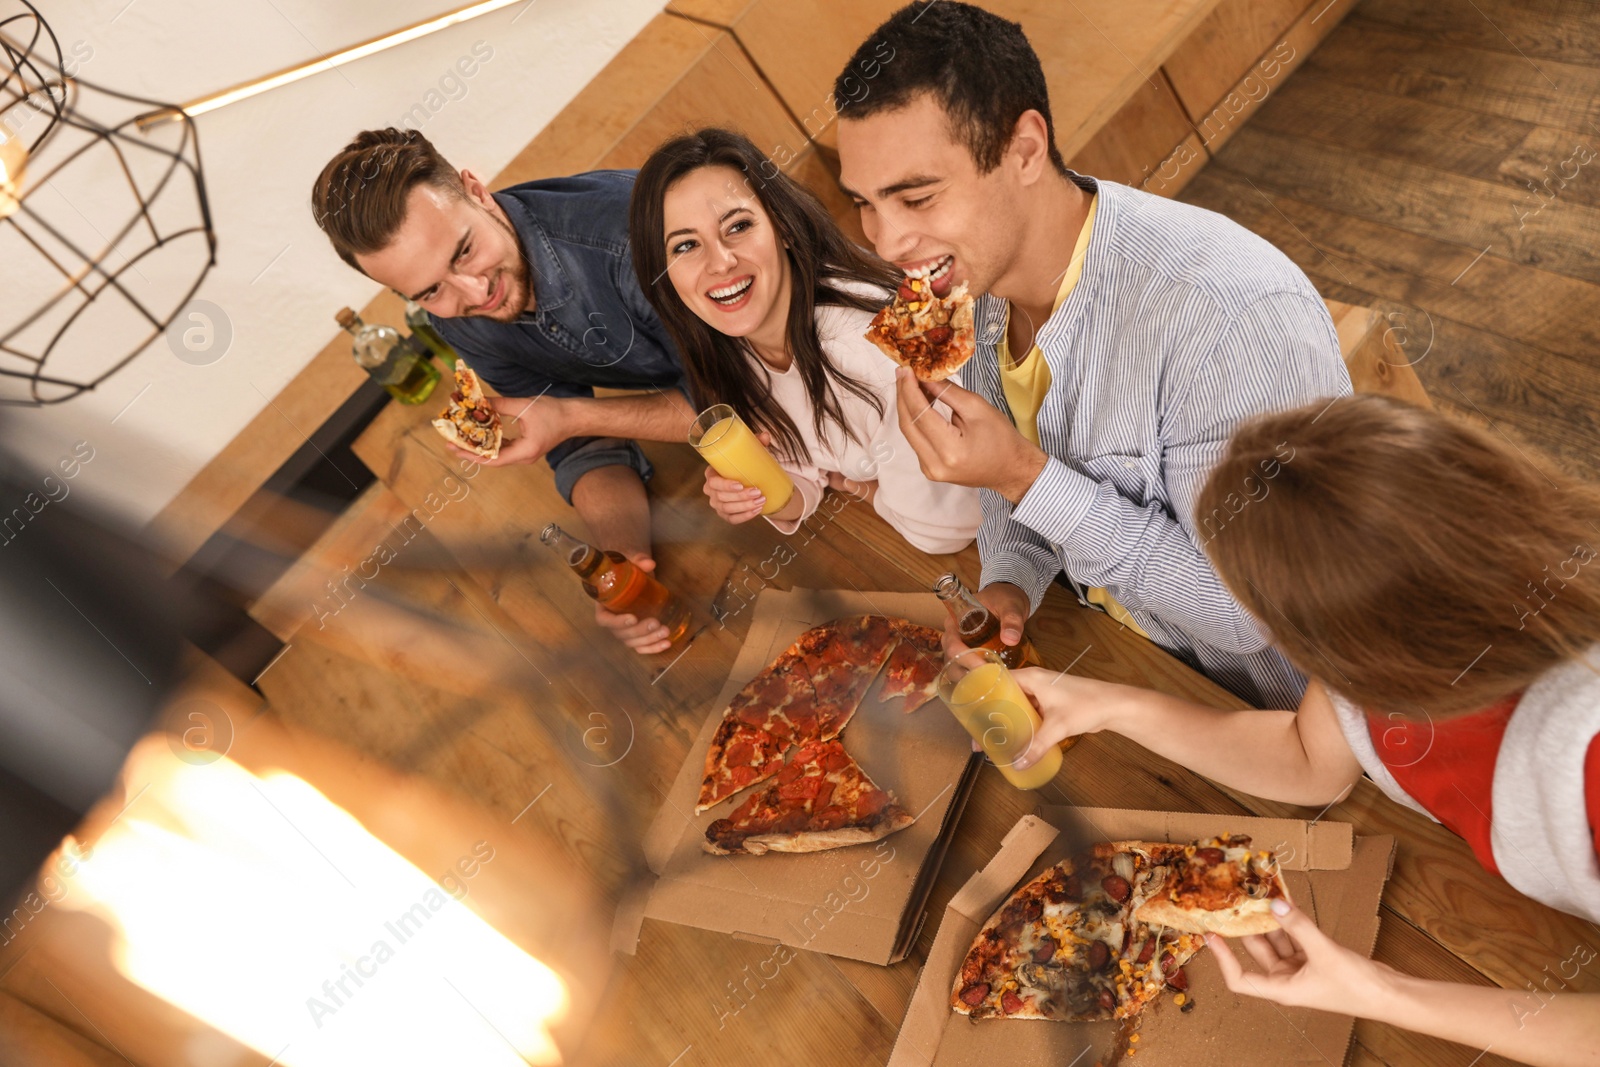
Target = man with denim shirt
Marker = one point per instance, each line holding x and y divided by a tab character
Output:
534	287
1121	337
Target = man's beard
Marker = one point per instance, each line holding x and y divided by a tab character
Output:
516	300
518	280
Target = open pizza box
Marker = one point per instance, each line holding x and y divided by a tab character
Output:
865	902
1332	875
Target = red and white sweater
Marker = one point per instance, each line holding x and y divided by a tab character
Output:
1520	781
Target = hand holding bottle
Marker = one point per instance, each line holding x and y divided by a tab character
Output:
645	636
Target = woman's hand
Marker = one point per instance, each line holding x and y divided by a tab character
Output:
1303	967
1068	706
735	501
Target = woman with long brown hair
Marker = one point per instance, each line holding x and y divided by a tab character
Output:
1440	589
768	303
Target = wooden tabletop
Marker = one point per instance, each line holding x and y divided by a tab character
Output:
596	723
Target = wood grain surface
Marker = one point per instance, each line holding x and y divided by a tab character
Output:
1441	163
705	998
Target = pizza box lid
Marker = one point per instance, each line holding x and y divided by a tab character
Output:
864	902
1334	876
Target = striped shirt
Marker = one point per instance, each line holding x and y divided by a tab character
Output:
1183	324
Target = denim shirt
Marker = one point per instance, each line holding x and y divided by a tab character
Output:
591	325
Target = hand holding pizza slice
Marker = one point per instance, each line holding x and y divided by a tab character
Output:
1102	934
1221	886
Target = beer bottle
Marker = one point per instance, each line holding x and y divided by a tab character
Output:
399	364
977	627
617	583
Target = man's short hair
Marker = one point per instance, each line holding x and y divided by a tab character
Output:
978	66
359	199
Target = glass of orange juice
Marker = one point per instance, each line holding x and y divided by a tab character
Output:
725	442
980	692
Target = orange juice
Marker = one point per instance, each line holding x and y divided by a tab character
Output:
725	442
987	701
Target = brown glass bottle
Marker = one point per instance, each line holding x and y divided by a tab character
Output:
620	586
977	627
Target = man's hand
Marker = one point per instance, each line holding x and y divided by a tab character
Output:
1005	602
644	636
539	423
978	447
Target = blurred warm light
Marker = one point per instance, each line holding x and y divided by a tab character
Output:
260	907
13	161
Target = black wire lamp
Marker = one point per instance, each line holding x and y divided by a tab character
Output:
105	232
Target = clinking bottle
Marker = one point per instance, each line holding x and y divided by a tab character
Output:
618	584
978	627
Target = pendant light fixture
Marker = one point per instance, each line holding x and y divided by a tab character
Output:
105	233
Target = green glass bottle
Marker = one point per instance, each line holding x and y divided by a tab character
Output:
422	328
399	364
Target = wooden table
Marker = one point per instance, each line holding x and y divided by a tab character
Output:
692	997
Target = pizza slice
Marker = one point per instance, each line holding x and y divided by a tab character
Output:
842	659
470	421
914	665
810	692
1221	886
773	712
930	333
822	799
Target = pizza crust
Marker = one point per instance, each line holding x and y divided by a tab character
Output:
1243	919
1240	885
895	819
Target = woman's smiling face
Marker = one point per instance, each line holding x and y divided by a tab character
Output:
724	257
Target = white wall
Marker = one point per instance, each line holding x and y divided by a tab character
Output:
276	278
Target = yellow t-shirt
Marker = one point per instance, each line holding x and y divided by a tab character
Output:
1026	383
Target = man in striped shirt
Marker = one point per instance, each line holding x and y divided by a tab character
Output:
1121	337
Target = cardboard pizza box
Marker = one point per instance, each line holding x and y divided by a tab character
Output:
864	902
1334	876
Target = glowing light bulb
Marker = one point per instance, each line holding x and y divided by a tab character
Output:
13	161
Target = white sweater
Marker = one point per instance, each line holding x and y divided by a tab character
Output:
934	517
1539	827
